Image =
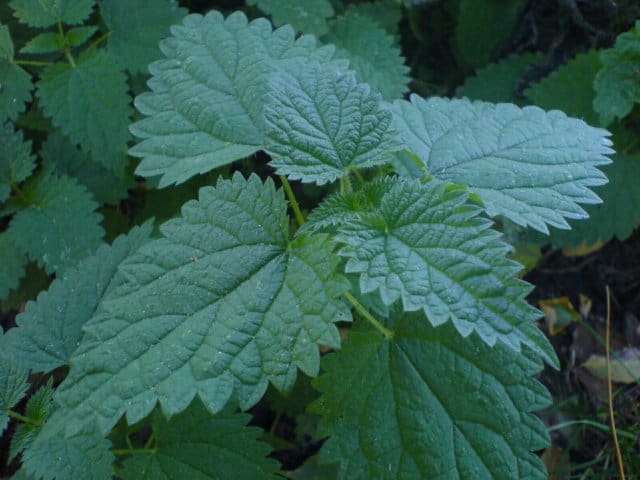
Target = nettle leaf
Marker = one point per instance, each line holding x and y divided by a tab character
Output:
617	84
107	187
85	455
59	225
387	13
570	88
90	104
498	81
15	82
431	404
12	265
371	52
425	245
206	105
37	410
44	13
199	446
77	36
483	27
44	43
321	124
308	16
50	329
136	28
240	305
533	167
16	160
13	386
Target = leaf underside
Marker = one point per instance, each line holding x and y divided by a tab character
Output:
533	167
321	123
206	104
430	404
239	306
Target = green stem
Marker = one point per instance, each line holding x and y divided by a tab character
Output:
591	423
345	184
67	50
32	63
133	451
292	200
388	334
22	418
99	41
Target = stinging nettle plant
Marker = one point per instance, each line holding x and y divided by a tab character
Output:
177	332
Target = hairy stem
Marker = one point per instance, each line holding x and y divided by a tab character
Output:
295	206
388	334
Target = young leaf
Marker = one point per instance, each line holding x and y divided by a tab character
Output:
85	455
570	88
321	123
44	13
38	410
90	104
533	167
12	265
59	225
617	84
498	81
50	329
44	43
308	16
239	306
199	446
431	404
13	386
372	54
6	44
16	161
107	187
424	245
206	105
136	28
77	36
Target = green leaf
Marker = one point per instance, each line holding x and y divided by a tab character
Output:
498	81
6	44
136	28
13	386
431	404
386	13
483	27
533	167
77	36
372	54
570	88
38	410
90	104
12	265
206	105
617	216
50	329
65	158
199	446
85	455
44	43
44	13
59	226
617	84
308	16
321	124
15	90
424	244
240	306
16	161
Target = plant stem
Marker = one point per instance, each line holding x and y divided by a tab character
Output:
32	63
67	50
292	200
388	334
22	418
133	451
